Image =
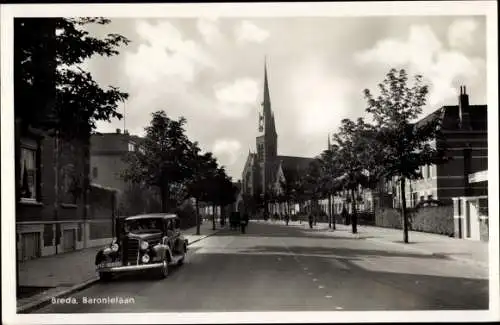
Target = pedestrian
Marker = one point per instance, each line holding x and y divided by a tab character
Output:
345	215
310	220
244	222
287	218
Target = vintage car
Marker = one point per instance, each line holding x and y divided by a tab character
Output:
143	242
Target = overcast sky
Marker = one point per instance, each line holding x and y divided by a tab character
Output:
211	72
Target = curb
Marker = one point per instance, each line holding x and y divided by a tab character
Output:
45	301
78	287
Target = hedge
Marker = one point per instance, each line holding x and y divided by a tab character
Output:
437	220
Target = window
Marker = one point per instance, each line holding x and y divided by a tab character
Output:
131	146
28	174
94	172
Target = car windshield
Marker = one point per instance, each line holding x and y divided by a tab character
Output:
143	225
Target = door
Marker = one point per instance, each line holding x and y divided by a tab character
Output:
30	245
69	240
474	220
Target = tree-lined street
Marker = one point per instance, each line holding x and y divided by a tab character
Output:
274	267
308	245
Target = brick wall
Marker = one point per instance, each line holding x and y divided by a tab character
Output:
71	166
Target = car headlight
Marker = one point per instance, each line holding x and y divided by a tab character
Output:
144	245
145	258
114	247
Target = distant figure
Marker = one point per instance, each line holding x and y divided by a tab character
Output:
287	218
244	222
311	220
345	215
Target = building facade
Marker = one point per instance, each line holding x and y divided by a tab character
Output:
465	137
107	153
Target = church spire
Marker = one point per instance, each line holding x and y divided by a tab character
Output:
269	126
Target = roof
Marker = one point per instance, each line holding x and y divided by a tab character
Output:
291	166
290	162
449	115
107	143
149	216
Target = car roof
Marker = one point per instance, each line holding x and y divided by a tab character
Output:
150	216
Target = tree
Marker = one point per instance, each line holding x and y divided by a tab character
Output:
352	147
330	173
164	158
203	167
79	101
219	190
313	186
404	145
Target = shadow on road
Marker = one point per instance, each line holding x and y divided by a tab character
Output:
337	251
277	230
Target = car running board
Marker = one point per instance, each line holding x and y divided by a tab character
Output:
175	259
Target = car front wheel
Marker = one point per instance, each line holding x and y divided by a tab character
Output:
164	270
181	261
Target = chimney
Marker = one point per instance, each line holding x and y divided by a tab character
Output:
125	131
463	109
118	131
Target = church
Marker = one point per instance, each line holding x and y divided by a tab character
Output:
264	170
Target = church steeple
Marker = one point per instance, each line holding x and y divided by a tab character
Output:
267	143
269	127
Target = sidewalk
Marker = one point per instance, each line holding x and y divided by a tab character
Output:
467	251
61	274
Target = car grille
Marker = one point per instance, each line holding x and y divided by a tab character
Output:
131	252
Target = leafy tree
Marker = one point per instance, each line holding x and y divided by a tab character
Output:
352	147
198	186
47	53
404	145
330	174
313	185
220	190
164	160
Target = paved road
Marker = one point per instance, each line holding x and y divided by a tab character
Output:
280	268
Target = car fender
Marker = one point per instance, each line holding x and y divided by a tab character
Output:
164	251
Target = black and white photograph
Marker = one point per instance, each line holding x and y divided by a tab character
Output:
249	162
